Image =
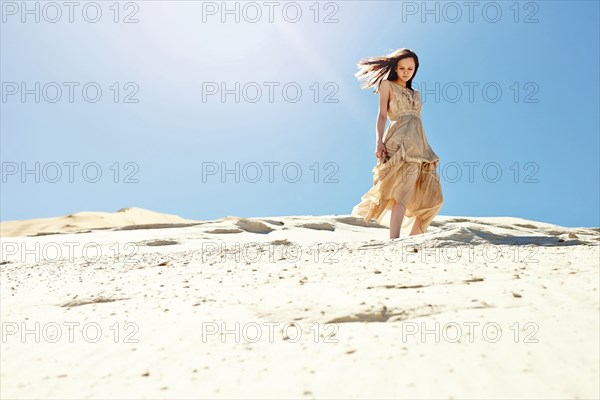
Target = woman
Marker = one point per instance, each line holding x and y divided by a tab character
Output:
405	179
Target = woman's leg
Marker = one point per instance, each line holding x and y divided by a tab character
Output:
416	228
396	220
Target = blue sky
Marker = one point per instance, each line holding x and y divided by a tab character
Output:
541	134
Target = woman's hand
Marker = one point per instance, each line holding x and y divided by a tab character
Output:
380	150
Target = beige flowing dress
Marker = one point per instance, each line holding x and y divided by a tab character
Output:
408	174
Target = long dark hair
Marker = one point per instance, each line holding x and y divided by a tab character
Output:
374	69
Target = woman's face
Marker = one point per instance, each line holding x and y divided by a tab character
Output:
405	69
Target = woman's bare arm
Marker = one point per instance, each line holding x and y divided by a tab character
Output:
384	97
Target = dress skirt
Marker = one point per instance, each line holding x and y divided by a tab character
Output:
408	180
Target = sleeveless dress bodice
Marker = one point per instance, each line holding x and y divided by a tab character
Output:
402	102
405	132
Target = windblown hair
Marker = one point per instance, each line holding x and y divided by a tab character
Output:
375	69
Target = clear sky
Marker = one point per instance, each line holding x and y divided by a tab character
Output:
524	143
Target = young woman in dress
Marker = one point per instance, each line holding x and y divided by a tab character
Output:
406	192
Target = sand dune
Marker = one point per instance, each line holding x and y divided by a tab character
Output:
495	307
86	221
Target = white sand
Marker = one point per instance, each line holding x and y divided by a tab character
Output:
163	290
88	220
